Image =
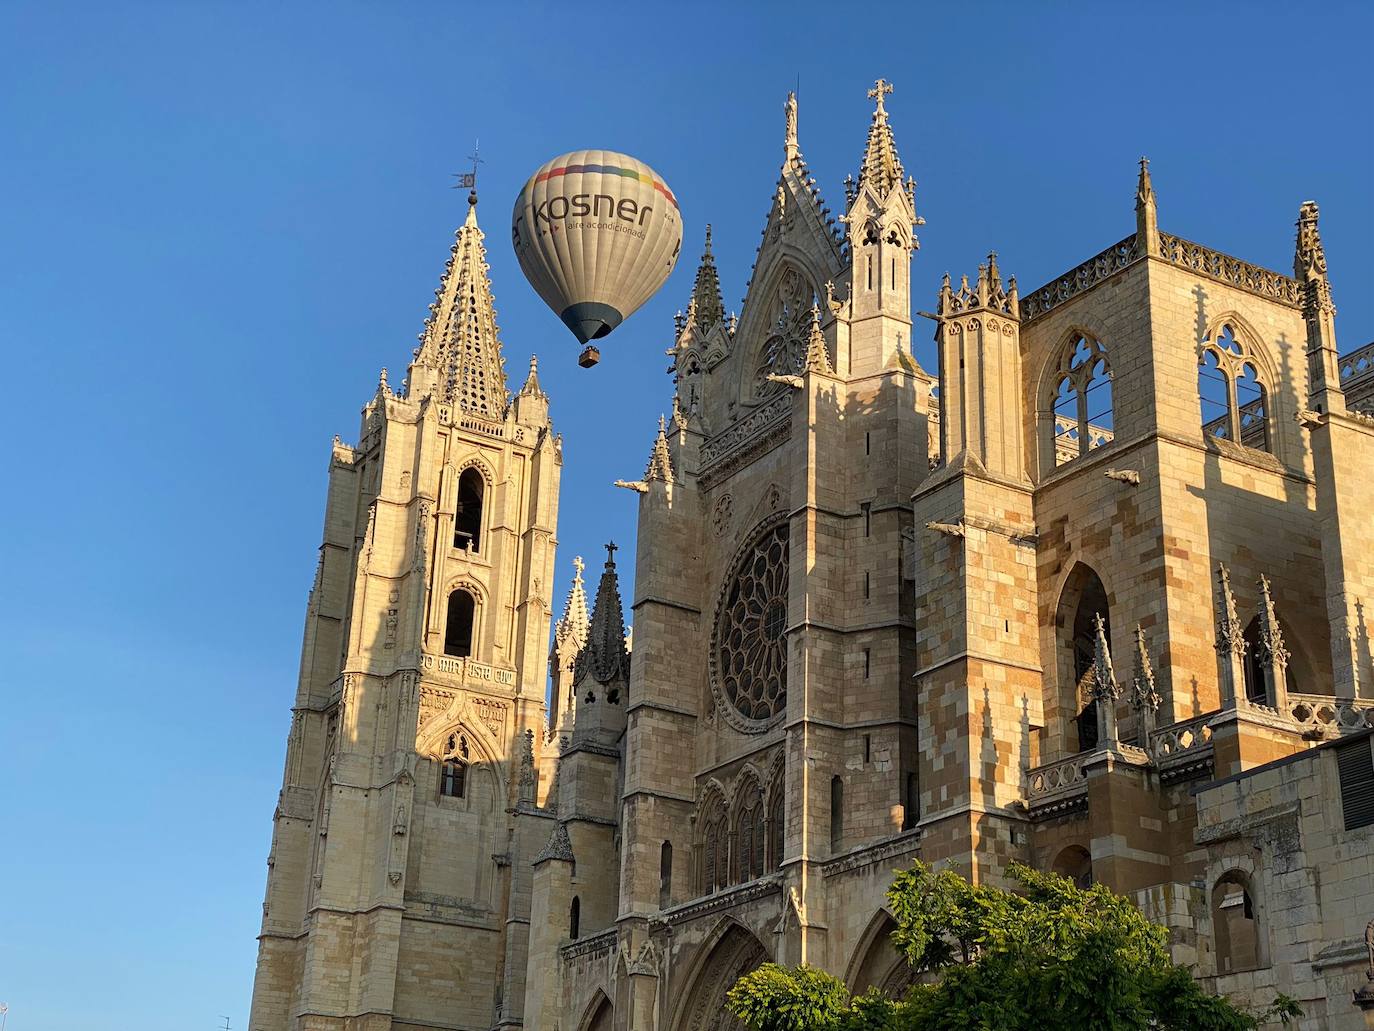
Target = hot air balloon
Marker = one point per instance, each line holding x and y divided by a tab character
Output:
596	233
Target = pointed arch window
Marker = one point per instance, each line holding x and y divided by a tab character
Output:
453	768
749	834
665	875
575	918
462	608
1232	395
777	826
467	514
1083	418
715	853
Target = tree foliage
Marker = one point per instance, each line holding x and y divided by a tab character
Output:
1051	957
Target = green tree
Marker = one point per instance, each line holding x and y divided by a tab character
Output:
1051	957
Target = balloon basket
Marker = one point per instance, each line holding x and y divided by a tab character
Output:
589	357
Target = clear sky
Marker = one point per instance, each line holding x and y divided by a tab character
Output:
219	220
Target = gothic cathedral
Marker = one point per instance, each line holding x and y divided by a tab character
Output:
1095	595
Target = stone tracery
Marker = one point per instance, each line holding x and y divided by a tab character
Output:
749	647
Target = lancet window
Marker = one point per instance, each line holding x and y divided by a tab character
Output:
749	833
458	627
467	515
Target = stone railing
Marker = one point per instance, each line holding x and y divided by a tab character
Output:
1066	438
1225	269
1182	747
1057	781
1323	716
1357	379
1089	274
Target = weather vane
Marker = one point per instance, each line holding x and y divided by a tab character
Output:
468	180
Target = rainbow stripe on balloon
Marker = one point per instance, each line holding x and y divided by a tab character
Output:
628	173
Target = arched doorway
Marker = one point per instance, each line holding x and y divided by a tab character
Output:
877	963
734	953
599	1015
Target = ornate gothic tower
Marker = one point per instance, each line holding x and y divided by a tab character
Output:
398	882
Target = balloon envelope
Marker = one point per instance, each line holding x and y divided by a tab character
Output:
596	233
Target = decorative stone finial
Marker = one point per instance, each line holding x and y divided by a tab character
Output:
790	145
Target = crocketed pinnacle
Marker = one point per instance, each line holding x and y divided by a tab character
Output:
660	465
1104	677
817	356
531	386
461	341
575	623
882	168
707	306
1309	262
604	658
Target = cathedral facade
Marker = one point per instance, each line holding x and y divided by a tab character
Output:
1095	595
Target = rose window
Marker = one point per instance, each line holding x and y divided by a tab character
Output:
749	652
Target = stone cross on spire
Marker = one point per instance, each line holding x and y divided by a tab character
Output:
880	87
579	565
881	169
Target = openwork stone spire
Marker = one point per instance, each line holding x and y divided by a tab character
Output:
707	307
575	623
882	169
461	343
660	465
605	658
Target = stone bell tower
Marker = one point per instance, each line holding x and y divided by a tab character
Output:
392	896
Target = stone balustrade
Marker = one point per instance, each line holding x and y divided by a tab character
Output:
1324	716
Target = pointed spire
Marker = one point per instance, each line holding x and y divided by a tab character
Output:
660	465
531	386
1146	212
790	146
605	657
881	169
706	307
817	355
461	343
574	624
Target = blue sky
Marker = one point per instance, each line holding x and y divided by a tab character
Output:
220	220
